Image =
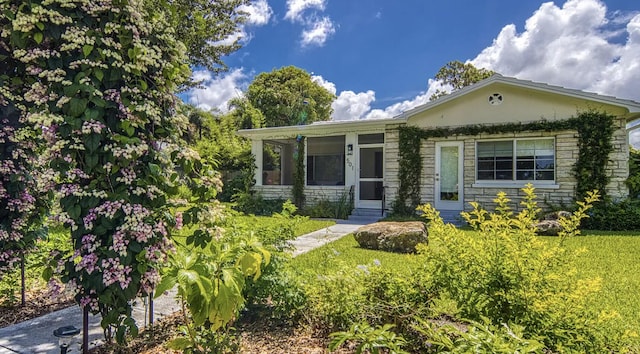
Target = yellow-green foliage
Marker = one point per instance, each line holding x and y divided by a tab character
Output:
505	273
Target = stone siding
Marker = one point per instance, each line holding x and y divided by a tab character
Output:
391	164
313	194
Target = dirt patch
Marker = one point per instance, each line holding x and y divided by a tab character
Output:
258	335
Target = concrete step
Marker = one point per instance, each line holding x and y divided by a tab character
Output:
452	217
367	212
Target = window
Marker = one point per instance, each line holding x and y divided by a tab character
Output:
516	160
326	161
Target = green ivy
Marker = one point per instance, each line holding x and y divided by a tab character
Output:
633	182
594	128
594	146
298	174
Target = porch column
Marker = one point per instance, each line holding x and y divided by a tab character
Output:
256	151
350	159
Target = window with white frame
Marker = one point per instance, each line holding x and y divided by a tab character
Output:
516	160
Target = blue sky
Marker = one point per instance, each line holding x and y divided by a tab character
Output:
379	56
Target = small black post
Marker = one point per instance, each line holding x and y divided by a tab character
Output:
23	290
151	309
85	330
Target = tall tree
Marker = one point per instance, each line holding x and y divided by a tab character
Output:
458	75
207	28
288	96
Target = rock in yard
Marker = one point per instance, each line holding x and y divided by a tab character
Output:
556	215
391	236
548	228
549	225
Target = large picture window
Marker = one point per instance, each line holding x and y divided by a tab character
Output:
516	160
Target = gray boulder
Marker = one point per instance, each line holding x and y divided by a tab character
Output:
556	215
391	236
549	225
548	228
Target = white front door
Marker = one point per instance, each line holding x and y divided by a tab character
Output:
370	176
449	176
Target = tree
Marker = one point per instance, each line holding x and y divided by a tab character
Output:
100	79
207	28
458	75
288	96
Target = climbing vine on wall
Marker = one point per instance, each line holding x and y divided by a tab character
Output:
594	128
594	146
298	173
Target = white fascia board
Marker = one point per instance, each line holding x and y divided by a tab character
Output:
321	129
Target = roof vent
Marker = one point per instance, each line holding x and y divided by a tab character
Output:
495	99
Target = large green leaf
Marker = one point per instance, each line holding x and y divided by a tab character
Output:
77	106
167	283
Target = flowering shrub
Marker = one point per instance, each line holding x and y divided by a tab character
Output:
24	196
99	77
505	274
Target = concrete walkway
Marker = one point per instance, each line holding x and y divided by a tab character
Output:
36	335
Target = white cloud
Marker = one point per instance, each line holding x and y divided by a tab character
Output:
572	47
258	12
317	32
296	8
351	106
330	86
317	29
217	90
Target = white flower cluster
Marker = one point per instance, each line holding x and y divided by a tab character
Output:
56	75
76	38
25	22
128	176
94	7
90	63
128	151
27	56
92	126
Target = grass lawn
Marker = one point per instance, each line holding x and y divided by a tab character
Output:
302	228
614	257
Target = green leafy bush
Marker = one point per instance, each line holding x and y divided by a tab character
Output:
506	274
253	203
339	209
478	337
211	281
633	182
370	340
618	216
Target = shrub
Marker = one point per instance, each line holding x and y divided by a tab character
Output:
339	209
370	339
633	182
478	338
609	215
253	203
506	274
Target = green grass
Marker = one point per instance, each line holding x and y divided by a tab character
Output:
613	257
345	251
257	222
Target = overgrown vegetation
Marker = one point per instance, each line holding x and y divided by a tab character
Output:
633	182
498	288
323	208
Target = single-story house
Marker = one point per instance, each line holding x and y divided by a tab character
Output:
503	148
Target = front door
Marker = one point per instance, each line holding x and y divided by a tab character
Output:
449	176
370	177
